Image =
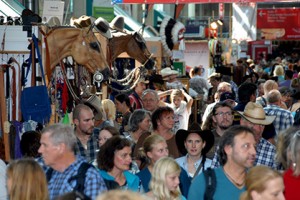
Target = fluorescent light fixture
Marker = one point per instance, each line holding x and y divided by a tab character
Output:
8	10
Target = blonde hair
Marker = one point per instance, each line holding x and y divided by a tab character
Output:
120	195
278	71
149	144
270	85
163	167
257	180
176	93
28	180
109	108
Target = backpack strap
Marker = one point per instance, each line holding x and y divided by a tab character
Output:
211	183
80	177
49	174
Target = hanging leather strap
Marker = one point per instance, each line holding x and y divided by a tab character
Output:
36	48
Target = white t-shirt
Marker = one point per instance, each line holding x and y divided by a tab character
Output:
182	115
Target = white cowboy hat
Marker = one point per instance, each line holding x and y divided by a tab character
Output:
117	23
95	103
102	26
165	72
255	113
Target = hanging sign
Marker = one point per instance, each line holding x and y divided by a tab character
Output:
279	23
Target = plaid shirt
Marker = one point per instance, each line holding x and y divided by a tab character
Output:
90	153
265	155
59	183
283	120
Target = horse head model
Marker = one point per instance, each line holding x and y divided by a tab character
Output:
81	44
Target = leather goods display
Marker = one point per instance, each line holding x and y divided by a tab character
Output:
35	101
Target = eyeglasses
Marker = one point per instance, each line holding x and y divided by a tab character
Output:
222	114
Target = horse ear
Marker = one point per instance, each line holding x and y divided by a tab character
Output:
138	37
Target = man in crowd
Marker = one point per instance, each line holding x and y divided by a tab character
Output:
150	100
135	96
237	153
284	118
57	148
222	116
255	118
87	137
221	88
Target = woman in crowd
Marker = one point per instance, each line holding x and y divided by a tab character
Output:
263	183
182	109
110	110
194	144
288	154
139	126
154	148
106	133
165	181
26	180
163	123
114	160
123	106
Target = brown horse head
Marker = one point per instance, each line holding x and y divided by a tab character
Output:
134	45
81	44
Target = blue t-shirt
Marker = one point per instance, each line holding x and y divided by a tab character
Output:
225	189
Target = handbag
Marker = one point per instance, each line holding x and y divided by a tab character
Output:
35	101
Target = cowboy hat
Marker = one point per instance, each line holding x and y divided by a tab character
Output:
165	72
102	26
117	23
206	135
255	113
95	103
214	75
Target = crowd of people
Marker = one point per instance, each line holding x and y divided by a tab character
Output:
145	145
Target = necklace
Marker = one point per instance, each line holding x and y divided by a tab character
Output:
239	185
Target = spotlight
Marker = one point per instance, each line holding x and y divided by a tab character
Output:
214	25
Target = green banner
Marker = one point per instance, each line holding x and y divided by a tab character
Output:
105	12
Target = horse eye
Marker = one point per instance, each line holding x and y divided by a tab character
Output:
95	46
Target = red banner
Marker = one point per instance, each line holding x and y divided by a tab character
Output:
279	23
189	1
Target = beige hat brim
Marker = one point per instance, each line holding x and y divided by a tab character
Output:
263	121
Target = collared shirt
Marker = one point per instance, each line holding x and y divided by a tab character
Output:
183	162
265	155
59	183
135	101
283	120
89	153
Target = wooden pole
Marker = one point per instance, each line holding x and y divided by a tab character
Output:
4	117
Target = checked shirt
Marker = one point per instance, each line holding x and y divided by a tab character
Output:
265	155
283	120
59	183
90	154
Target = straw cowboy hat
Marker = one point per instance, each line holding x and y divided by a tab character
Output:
102	26
117	23
255	113
165	72
206	135
214	75
95	103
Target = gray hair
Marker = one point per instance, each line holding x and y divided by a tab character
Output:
294	149
60	133
153	92
136	118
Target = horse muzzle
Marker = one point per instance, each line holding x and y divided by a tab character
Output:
150	64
